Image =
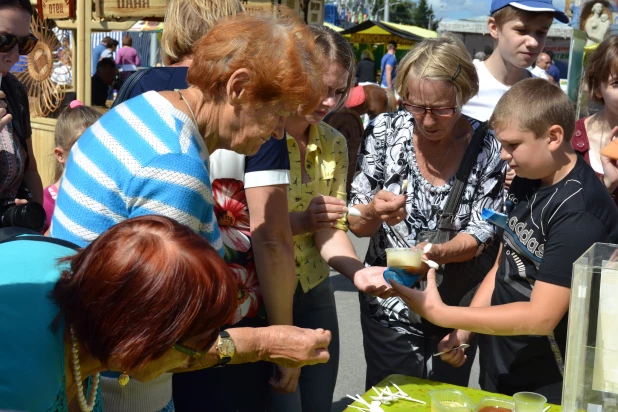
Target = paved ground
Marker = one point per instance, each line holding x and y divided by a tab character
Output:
351	378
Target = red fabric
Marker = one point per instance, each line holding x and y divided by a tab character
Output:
581	145
356	97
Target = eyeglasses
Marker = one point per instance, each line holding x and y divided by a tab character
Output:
24	44
195	355
436	111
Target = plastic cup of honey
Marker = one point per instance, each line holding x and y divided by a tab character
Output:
408	259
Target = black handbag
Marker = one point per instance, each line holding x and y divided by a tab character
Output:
445	229
457	282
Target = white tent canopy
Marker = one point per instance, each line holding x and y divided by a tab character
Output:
478	25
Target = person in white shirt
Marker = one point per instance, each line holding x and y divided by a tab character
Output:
519	30
542	65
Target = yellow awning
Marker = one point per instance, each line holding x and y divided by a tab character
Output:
332	26
418	31
372	32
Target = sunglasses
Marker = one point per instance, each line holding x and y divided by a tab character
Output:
24	44
436	111
196	355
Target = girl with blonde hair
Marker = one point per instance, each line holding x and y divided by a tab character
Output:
73	121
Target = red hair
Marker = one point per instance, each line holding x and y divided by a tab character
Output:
279	51
142	286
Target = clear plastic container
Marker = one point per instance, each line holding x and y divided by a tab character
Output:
529	402
408	259
492	404
450	400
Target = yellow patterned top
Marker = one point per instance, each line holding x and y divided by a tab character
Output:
326	162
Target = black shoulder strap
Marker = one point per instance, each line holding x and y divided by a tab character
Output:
128	85
461	178
7	233
10	234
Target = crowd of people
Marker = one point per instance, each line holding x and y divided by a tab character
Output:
190	230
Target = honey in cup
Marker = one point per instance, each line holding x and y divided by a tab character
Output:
408	259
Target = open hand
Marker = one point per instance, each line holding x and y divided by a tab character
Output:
456	357
294	347
388	207
371	281
285	379
426	303
323	212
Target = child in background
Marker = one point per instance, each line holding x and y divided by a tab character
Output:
71	124
597	131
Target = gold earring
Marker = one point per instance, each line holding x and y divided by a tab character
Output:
123	379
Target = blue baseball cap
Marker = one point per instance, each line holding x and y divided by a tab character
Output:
530	5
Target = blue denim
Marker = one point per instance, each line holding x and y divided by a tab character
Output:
314	309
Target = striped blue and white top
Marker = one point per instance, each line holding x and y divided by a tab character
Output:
142	157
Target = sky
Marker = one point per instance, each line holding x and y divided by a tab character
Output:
459	9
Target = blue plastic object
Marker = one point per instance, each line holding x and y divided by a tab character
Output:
498	219
400	276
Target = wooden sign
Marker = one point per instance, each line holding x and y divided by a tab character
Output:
56	9
132	8
366	38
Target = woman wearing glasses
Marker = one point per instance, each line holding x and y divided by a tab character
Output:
66	316
407	172
18	167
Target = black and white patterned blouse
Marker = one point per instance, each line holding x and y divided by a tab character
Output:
387	158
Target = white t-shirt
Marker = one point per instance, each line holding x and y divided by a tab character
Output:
481	106
538	72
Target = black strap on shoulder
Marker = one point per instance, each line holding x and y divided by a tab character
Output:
461	178
11	234
129	85
7	233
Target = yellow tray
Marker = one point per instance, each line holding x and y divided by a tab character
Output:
419	389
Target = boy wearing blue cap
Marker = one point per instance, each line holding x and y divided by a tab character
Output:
519	29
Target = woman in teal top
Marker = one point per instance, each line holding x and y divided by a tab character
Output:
146	297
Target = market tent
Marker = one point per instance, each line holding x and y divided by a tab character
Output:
372	32
478	25
332	26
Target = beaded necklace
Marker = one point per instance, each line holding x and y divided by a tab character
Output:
77	376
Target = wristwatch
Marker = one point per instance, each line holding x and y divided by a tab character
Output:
225	348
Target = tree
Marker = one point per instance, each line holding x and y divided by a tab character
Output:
403	12
422	16
400	10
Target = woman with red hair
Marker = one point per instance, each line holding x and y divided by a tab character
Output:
146	297
153	155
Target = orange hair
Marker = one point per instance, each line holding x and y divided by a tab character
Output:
278	50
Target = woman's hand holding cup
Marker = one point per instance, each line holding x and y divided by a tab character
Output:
323	212
388	207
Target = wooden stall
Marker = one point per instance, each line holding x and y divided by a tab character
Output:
82	17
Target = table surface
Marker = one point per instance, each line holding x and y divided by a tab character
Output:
419	389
